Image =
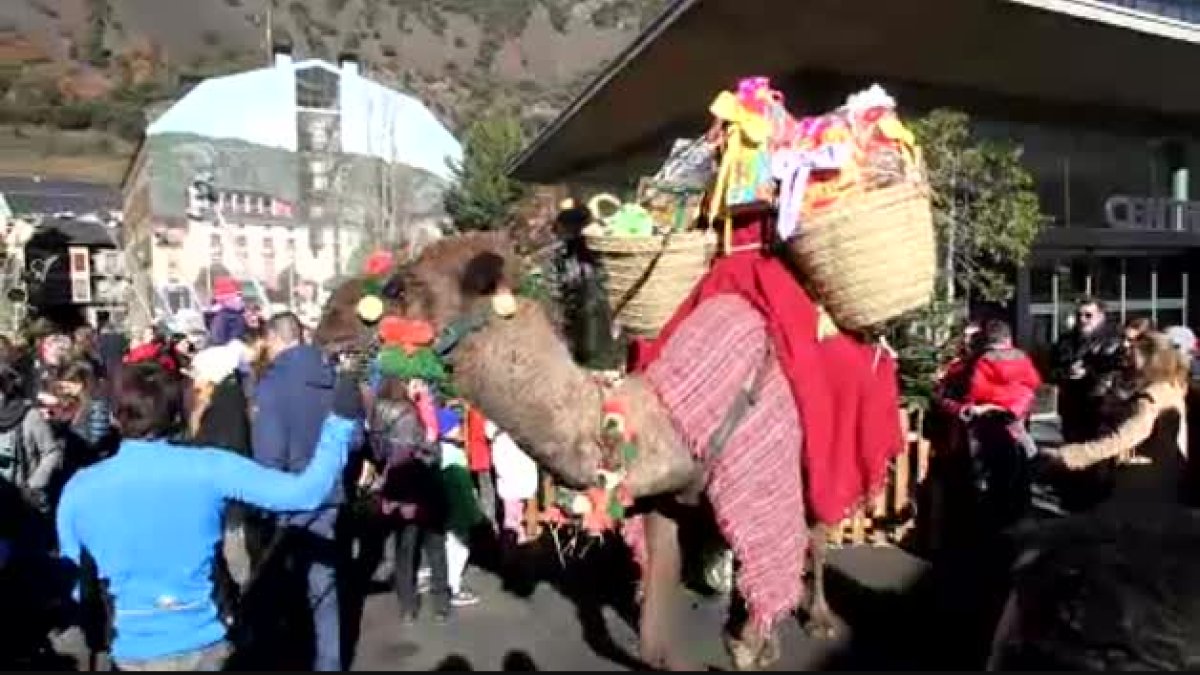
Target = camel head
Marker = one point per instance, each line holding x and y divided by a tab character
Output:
443	283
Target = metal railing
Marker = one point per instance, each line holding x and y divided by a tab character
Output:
1180	10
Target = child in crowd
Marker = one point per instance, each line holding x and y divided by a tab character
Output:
464	512
516	479
412	497
1003	380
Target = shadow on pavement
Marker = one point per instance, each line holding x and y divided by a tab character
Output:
593	577
941	618
514	661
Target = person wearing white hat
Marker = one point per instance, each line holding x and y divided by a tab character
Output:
1184	340
220	418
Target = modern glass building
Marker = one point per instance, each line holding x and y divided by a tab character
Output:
1095	91
1183	10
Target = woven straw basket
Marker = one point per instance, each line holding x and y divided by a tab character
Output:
873	257
646	278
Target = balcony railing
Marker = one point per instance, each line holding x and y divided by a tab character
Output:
1180	10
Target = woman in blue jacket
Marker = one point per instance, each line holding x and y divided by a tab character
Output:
150	517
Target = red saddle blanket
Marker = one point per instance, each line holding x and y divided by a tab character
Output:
845	391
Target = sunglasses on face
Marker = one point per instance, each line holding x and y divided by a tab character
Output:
1086	316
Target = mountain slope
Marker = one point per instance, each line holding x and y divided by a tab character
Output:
460	56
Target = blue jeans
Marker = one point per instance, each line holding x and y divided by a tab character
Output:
327	625
316	558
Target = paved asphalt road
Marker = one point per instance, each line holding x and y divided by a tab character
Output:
883	593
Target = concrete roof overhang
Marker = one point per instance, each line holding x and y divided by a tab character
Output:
1071	53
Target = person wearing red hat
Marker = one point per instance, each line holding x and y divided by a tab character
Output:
229	323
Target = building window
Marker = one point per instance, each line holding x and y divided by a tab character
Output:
216	248
81	291
316	211
319	173
317	88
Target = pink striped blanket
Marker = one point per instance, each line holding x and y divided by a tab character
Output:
755	483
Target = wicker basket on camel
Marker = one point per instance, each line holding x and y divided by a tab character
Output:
646	278
871	256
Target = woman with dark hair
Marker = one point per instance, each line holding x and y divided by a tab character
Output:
150	517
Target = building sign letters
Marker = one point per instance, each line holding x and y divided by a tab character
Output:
1146	213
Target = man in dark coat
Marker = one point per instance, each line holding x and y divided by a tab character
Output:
1086	362
293	396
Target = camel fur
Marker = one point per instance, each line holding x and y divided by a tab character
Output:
519	372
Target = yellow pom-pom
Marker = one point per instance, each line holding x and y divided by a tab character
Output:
581	505
504	304
370	309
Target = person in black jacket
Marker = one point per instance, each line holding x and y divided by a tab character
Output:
1087	360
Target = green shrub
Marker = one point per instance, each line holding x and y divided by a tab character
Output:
77	115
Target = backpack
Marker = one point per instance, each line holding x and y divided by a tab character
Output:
12	455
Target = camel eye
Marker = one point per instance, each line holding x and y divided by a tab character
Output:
483	274
394	288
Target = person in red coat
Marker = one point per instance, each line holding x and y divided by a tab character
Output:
1002	381
1006	381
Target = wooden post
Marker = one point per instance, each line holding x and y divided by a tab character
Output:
903	467
858	534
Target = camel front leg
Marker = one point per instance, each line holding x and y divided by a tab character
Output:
821	622
660	586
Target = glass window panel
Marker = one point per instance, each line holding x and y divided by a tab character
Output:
1043	330
1106	280
1170	317
1041	282
1170	277
1073	280
1137	278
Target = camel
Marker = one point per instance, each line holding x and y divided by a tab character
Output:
729	432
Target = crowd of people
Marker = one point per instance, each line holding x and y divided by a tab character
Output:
179	505
1100	520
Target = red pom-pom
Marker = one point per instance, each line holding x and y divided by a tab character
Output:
379	263
408	334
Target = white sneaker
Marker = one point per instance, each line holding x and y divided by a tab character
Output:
464	598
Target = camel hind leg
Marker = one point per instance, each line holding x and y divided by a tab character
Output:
822	622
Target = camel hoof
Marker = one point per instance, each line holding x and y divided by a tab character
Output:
821	625
770	653
744	657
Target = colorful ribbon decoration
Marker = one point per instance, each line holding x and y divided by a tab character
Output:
792	169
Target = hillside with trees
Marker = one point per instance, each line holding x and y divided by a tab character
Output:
96	69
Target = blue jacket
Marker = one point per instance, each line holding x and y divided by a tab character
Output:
151	519
227	324
293	396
